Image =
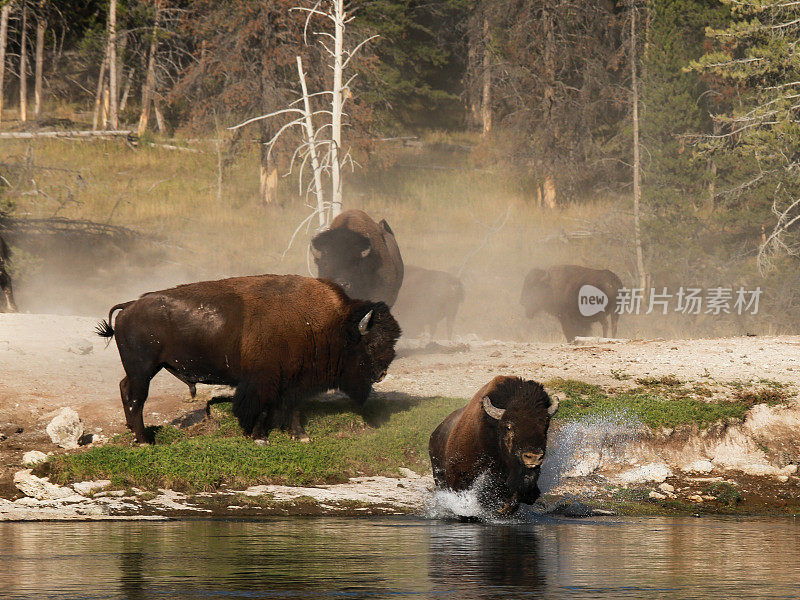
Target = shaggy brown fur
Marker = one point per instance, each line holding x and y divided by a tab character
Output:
360	255
555	291
278	338
509	449
426	298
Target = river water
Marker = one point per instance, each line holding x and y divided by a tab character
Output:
403	557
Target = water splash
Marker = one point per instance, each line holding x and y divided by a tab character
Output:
579	447
448	504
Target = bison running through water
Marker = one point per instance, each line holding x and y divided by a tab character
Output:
558	291
278	338
426	298
501	435
7	303
360	255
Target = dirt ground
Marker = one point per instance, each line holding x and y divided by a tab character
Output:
48	362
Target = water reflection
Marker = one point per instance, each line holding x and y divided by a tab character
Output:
402	558
484	561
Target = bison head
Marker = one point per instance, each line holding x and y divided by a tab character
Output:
347	258
536	292
519	412
371	332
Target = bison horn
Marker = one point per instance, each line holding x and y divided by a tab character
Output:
492	410
554	400
363	326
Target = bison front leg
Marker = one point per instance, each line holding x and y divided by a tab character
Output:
297	432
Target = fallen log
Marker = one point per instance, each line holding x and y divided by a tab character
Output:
29	135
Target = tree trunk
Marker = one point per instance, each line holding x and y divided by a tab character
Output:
6	12
37	86
336	109
111	52
150	78
123	103
23	66
98	97
637	190
311	138
486	99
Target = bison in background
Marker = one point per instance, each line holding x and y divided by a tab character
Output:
7	303
501	434
279	339
426	298
360	255
556	291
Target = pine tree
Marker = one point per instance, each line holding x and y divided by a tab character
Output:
757	140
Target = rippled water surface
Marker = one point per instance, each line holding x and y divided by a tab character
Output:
402	558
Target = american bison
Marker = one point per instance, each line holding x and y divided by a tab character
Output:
360	255
426	298
7	303
278	338
501	434
570	293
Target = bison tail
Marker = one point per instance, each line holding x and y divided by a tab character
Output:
104	328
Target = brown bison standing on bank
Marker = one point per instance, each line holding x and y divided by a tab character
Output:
502	435
560	290
278	338
427	297
7	303
360	255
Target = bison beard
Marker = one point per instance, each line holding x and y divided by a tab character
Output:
501	435
277	339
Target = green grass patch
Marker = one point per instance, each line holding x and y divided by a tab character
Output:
662	402
392	433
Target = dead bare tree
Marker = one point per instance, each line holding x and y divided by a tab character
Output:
23	65
111	52
486	96
637	188
150	78
41	26
4	15
322	154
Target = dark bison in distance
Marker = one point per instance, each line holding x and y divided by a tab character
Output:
557	291
426	298
278	338
360	255
7	303
502	435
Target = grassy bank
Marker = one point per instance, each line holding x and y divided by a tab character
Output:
391	433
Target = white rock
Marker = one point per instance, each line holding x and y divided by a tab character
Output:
698	466
655	472
657	496
783	478
88	487
39	488
32	458
790	469
760	470
665	487
66	428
